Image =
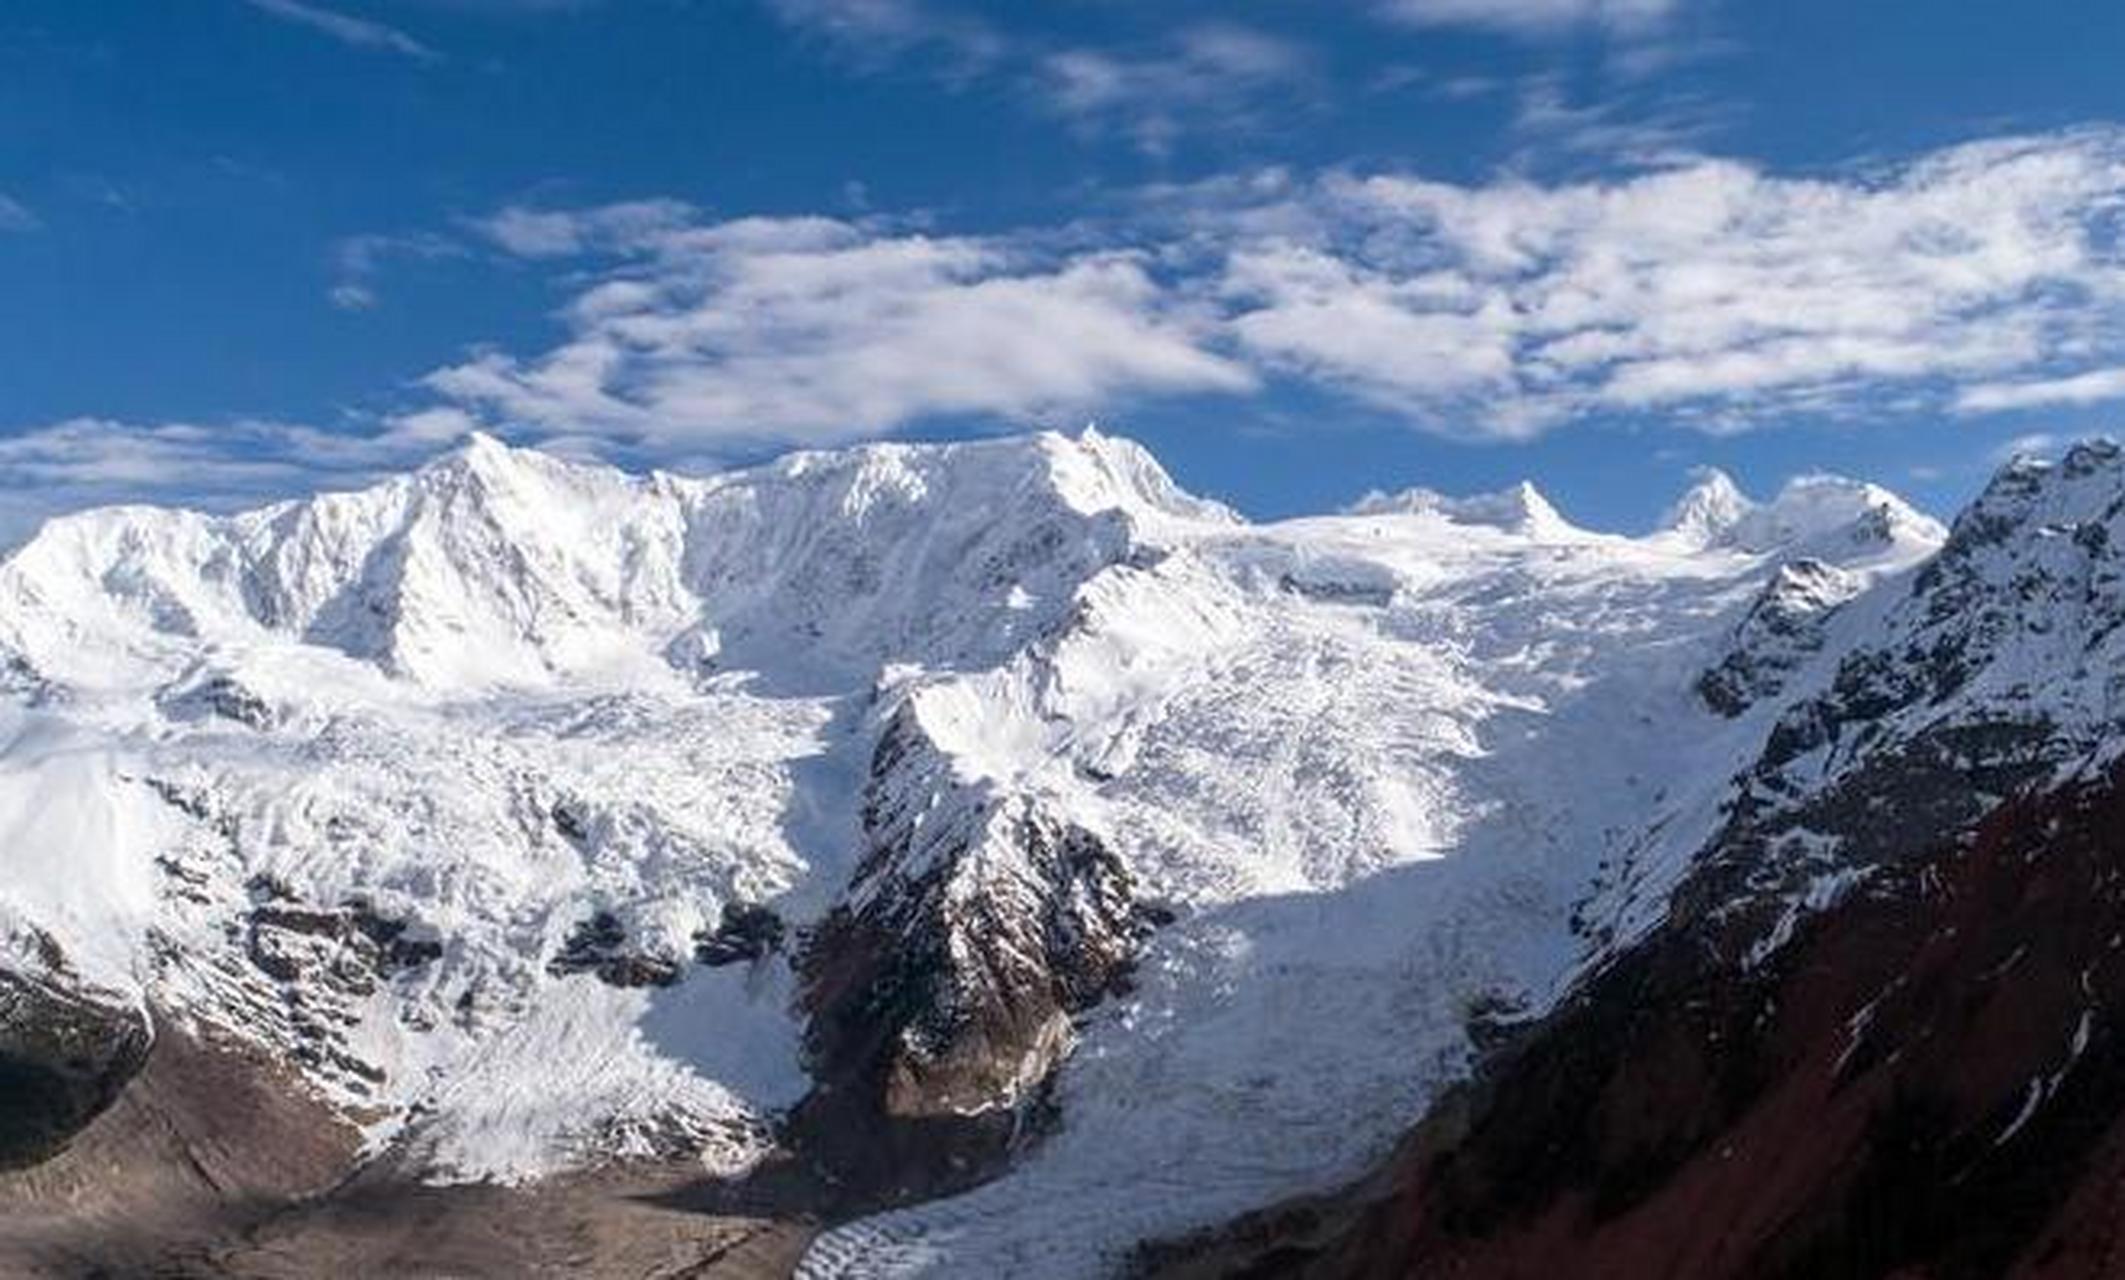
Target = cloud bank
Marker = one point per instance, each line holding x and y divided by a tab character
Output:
1981	279
1709	293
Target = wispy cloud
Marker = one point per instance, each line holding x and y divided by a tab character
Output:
2096	386
1534	17
16	216
1197	76
874	32
625	227
362	33
63	466
1622	129
357	260
1218	71
819	329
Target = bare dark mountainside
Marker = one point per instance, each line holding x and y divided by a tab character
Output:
1928	1081
212	1164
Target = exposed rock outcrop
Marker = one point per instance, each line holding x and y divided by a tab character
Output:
941	994
600	945
1782	630
66	1050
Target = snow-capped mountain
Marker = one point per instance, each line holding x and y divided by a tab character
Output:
991	819
1877	1030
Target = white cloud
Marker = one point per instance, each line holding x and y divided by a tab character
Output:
815	329
362	33
85	462
1215	71
1711	292
550	233
876	31
2037	444
1533	17
357	260
1983	278
2093	387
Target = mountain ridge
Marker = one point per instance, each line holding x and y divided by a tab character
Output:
546	818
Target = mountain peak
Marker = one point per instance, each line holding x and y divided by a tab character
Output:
1828	517
1709	510
1125	469
1520	508
480	455
2081	485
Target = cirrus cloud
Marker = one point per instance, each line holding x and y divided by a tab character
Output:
1533	16
361	33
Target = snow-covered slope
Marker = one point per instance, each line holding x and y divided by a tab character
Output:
1874	1027
543	814
1998	666
487	704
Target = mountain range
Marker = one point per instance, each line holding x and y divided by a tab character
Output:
988	858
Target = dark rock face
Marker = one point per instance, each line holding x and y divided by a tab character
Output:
318	963
941	997
745	933
18	679
1998	668
65	1053
569	820
943	1008
599	945
1781	631
1929	1081
350	946
221	696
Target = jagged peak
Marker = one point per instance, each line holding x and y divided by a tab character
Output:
1089	470
477	453
1708	510
1135	472
1829	517
2096	453
2086	483
491	465
1520	508
2088	457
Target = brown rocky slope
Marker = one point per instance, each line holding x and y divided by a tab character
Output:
1927	1081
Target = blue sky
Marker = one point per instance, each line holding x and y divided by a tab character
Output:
252	247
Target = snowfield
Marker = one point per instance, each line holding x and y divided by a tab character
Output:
1394	773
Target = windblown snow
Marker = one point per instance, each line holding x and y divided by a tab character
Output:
1393	772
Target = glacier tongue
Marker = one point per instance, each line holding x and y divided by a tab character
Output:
545	814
